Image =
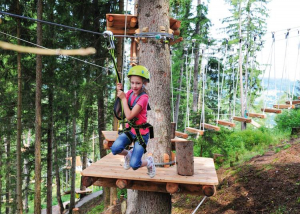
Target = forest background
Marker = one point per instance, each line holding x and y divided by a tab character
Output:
77	93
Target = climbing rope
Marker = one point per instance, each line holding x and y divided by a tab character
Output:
284	70
270	68
295	77
172	87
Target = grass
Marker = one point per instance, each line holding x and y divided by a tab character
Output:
97	209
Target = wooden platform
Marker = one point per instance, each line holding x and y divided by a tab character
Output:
293	102
109	171
256	115
225	123
210	127
194	131
242	119
283	106
116	24
271	110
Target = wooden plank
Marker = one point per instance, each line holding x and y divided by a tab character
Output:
256	115
181	134
111	166
211	127
178	139
110	135
271	110
257	125
116	24
295	102
78	191
242	119
225	123
195	131
283	106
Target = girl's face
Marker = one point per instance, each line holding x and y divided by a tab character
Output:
136	83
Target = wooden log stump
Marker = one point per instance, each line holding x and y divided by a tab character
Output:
122	184
76	211
185	158
172	188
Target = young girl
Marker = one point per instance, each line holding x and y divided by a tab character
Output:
135	103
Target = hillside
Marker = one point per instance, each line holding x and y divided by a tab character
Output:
265	184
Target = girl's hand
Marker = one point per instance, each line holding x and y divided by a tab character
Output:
119	86
121	94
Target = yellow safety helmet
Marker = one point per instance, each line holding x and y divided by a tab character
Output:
139	70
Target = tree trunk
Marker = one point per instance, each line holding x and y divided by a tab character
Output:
7	177
27	175
1	152
101	127
38	115
57	178
243	124
178	95
49	147
196	63
155	55
50	82
73	155
19	122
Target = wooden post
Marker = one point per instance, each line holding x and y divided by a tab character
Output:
185	158
166	160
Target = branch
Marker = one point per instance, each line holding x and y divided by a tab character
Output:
41	51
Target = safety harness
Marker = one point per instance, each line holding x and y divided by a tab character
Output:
137	128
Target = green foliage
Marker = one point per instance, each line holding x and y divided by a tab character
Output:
97	209
288	119
234	145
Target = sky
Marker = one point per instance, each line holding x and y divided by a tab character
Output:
283	14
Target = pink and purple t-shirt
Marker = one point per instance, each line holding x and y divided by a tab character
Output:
142	116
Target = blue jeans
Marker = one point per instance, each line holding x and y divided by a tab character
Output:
137	153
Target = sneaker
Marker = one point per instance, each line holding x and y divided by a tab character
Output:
151	167
127	160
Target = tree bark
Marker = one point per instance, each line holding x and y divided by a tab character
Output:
243	125
27	175
196	62
19	122
155	55
1	152
7	177
73	155
50	83
57	178
38	115
49	147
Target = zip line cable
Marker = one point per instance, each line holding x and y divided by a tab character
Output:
148	34
125	32
84	61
